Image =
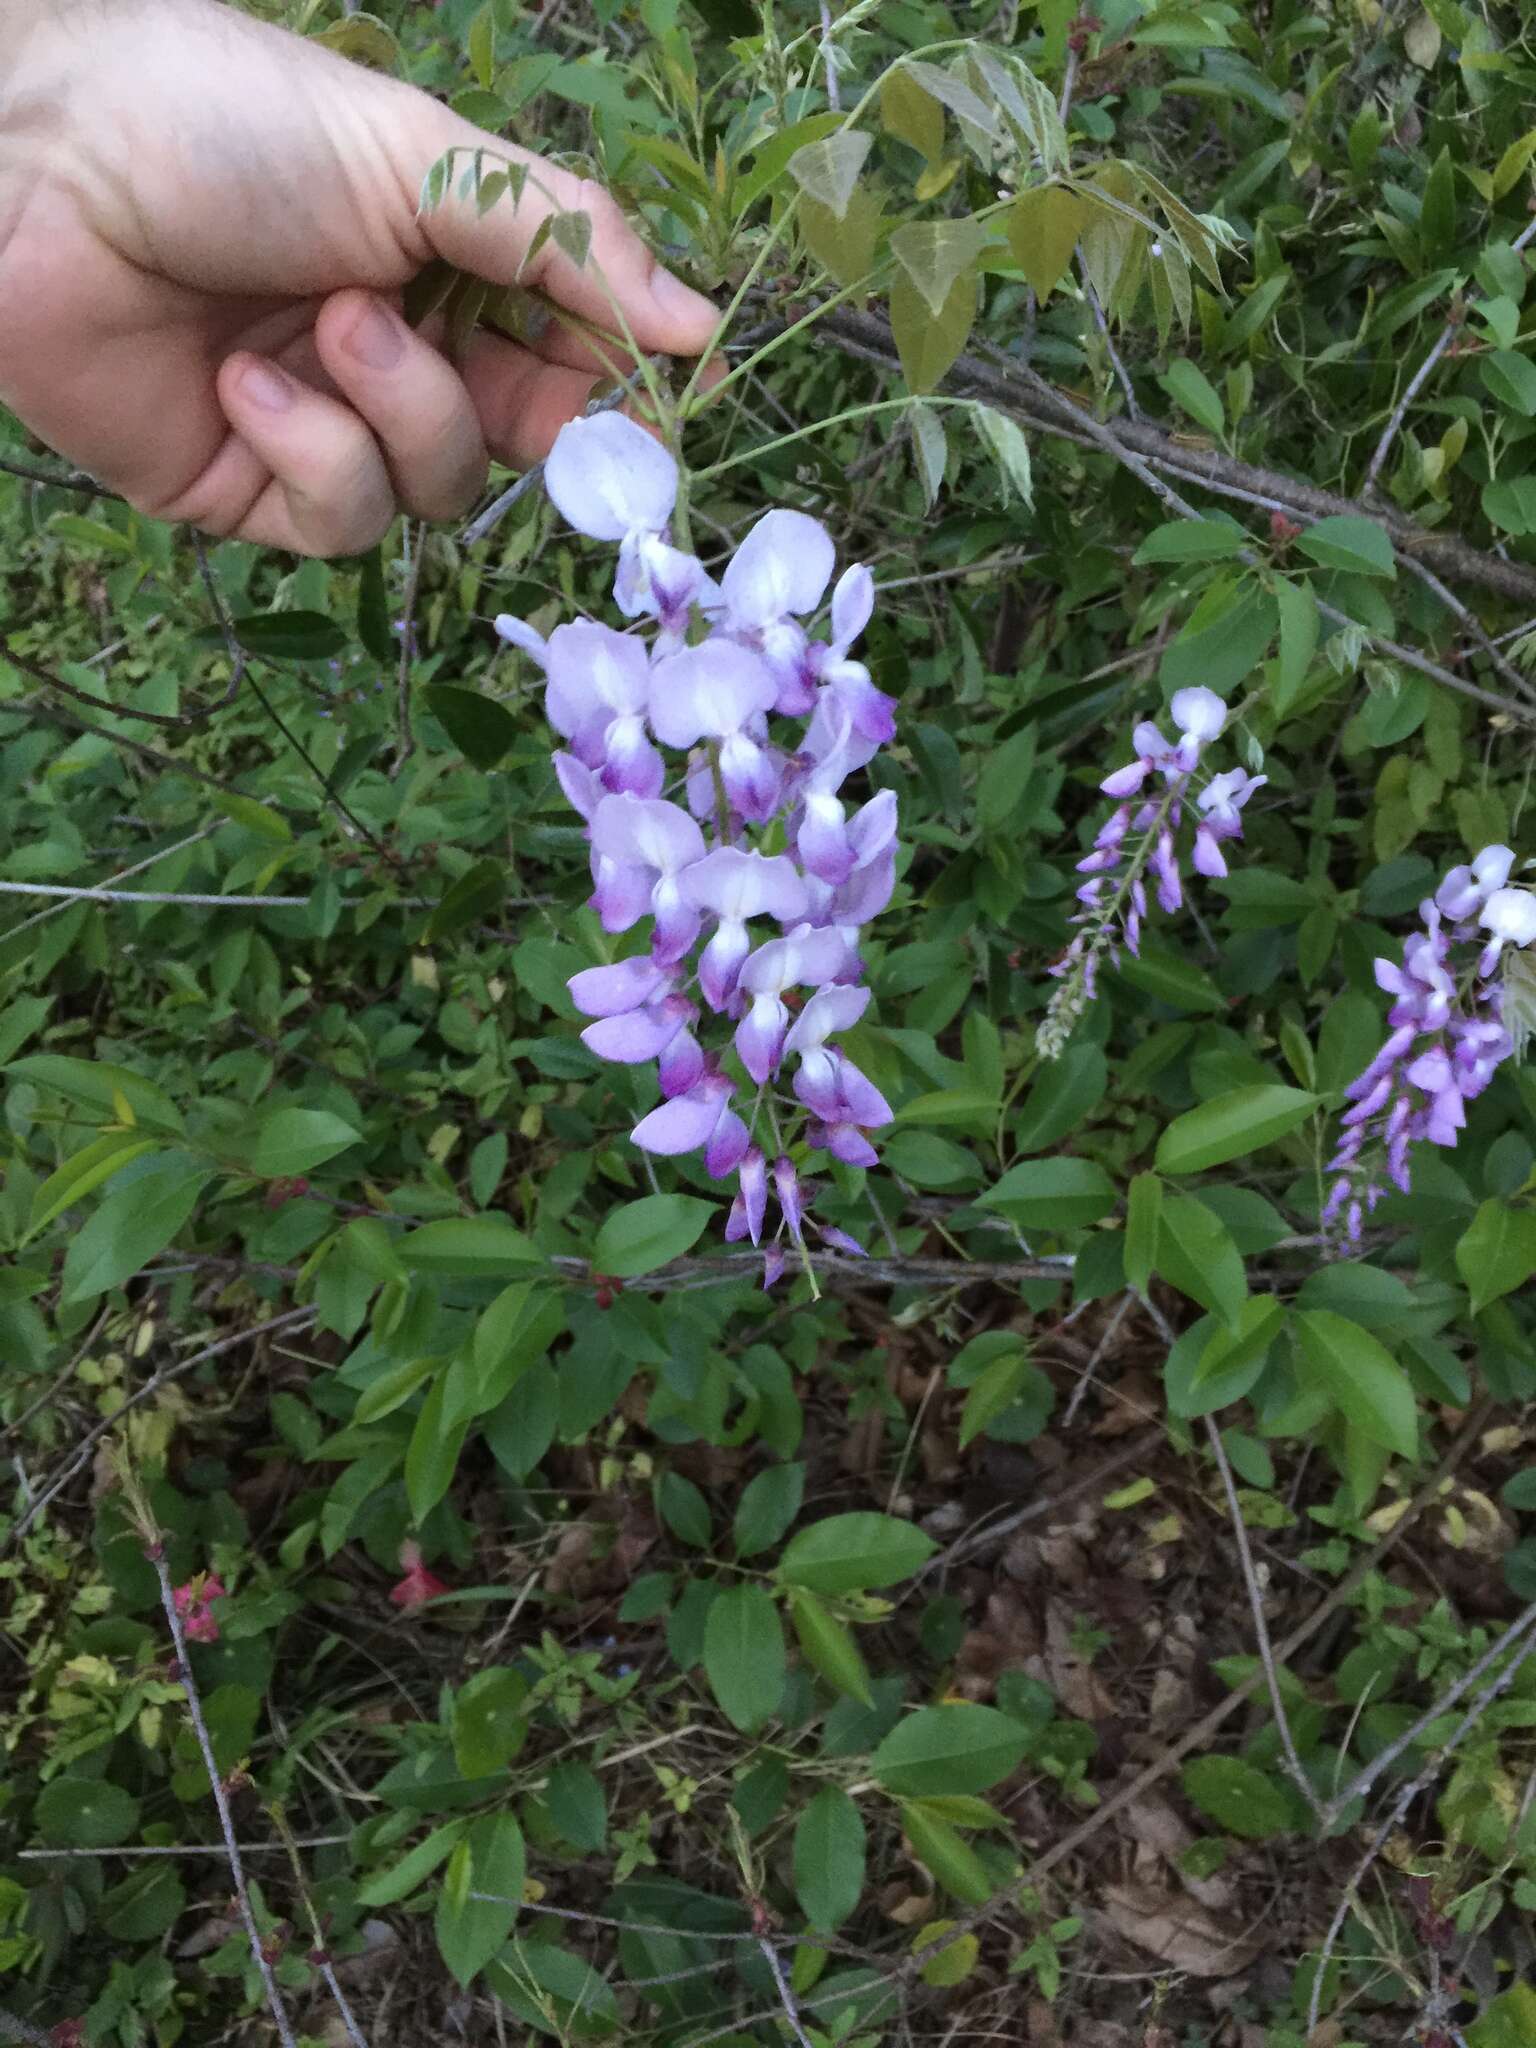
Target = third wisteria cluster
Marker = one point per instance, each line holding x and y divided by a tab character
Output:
710	762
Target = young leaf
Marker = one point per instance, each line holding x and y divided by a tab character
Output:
952	1860
1348	541
1497	1252
829	169
829	1859
1052	1194
960	1748
1230	1125
829	1647
1363	1378
1195	1253
1143	1221
640	1236
744	1657
137	1220
1043	225
1188	386
1005	438
289	1141
928	343
997	1388
768	1505
1238	1797
911	114
578	1806
854	1553
1300	623
935	254
489	1860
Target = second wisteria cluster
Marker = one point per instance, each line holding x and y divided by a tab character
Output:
709	760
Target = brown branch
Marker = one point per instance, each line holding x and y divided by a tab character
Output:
1005	384
258	1947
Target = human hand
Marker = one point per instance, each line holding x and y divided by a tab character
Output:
205	227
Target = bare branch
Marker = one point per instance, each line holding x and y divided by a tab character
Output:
253	1934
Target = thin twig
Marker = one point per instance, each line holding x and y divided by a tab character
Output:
56	1386
71	895
786	1996
183	1849
1367	1775
1122	375
405	740
1085	1377
292	1319
1293	1763
1405	1798
829	60
220	1800
320	1957
1416	383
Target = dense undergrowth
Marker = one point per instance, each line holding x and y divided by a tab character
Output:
1095	1614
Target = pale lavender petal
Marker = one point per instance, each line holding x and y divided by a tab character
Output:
518	633
822	839
1199	713
829	1010
849	1144
737	884
872	828
728	1145
594	675
631	765
760	1036
622	894
866	1105
773	1265
681	1066
583	791
681	1125
720	962
677	922
867	891
608	477
751	775
809	953
611	991
853	604
782	566
786	1185
753	1183
708	691
1207	856
637	1036
646	831
1125	781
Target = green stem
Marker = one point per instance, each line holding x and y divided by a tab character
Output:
853	412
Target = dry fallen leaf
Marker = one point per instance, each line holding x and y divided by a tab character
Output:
1178	1930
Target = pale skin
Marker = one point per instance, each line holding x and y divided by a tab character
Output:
205	227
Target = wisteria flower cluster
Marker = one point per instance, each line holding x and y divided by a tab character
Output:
1449	1032
1140	838
729	831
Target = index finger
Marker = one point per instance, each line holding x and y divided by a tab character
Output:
618	277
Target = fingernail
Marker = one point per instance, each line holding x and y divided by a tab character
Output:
377	339
680	302
264	384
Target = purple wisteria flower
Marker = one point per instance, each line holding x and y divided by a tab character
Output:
1447	1034
1140	839
745	839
